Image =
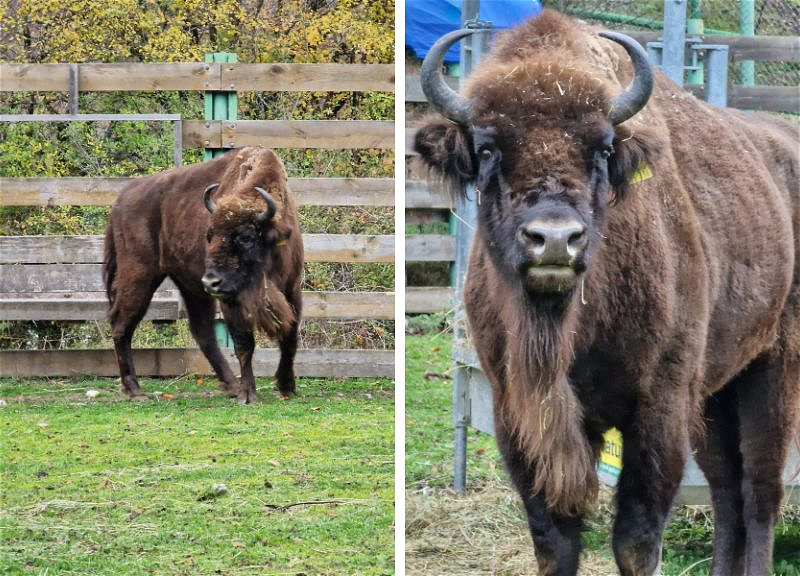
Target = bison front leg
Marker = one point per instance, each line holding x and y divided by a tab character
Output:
556	539
284	377
654	451
244	344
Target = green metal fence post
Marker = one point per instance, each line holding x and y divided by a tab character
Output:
694	27
220	106
747	68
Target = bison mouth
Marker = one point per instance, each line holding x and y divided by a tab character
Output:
549	279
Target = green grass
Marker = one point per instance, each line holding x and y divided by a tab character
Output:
105	486
429	465
429	426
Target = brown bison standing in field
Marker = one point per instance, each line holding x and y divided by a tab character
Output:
637	265
224	229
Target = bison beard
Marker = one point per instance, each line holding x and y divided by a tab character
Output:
541	409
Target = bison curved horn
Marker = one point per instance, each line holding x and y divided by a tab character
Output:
638	93
210	206
270	211
443	98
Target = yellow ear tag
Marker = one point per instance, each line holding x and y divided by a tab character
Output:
280	242
642	173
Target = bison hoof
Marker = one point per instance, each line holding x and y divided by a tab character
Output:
248	398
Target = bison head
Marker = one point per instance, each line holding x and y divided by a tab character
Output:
245	224
540	140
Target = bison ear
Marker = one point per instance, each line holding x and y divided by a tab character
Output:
446	149
632	160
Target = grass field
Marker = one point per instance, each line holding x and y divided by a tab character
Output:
484	531
190	483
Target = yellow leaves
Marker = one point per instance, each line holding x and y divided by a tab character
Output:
183	30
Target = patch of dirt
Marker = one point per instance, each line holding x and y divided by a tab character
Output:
479	533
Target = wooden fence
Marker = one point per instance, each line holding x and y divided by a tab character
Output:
59	277
429	203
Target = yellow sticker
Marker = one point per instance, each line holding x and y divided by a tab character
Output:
611	456
642	173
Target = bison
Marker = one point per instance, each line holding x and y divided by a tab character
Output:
224	229
636	265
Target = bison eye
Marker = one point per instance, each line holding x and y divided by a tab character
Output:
245	241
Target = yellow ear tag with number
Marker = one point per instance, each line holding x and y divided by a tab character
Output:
642	173
280	242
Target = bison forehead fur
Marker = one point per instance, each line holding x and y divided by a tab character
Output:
681	307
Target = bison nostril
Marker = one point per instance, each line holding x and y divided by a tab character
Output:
211	282
577	241
537	239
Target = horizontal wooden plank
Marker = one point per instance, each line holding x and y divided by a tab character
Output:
34	77
148	77
191	76
308	77
420	216
76	306
764	98
93	306
317	134
422	194
414	88
424	300
766	48
177	361
104	191
35	250
768	98
430	248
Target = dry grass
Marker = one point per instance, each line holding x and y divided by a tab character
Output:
482	532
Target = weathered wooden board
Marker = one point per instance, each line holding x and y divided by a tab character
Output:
93	306
766	98
310	77
414	88
34	250
76	306
424	300
415	216
178	361
104	191
150	77
318	134
421	194
430	248
770	98
34	77
768	48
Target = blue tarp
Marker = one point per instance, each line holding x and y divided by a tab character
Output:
428	20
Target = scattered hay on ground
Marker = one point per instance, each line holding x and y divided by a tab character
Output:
482	532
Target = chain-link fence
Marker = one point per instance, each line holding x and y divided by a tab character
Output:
769	18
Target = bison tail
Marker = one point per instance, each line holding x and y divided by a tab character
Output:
109	263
